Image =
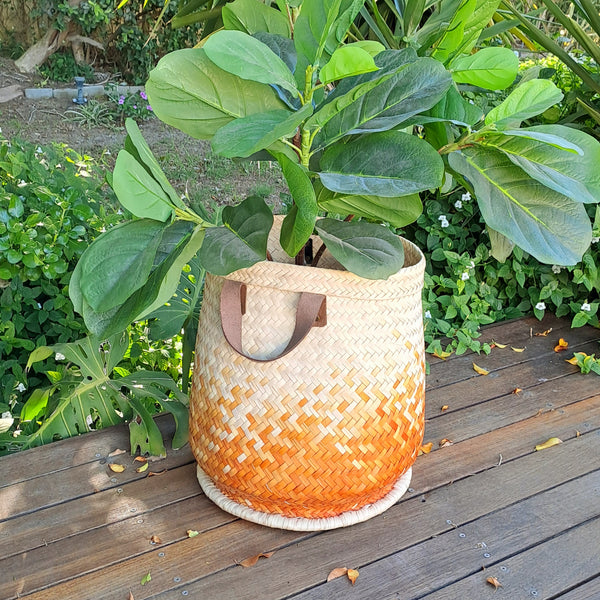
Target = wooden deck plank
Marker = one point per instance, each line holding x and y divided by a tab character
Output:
306	564
465	551
544	571
67	528
587	591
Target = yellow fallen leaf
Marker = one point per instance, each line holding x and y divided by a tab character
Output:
572	361
250	562
337	572
493	581
544	333
444	408
140	459
445	442
425	448
192	533
143	468
117	452
577	433
480	370
498	344
352	575
517	349
549	443
115	467
441	354
561	346
517	391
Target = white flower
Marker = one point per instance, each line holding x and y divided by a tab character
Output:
540	306
595	240
586	306
442	218
21	388
472	264
458	204
38	150
6	415
39	305
428	314
21	183
59	356
464	276
445	223
466	197
556	269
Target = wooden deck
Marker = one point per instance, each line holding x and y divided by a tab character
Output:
486	506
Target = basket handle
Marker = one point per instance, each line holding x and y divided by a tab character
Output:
311	312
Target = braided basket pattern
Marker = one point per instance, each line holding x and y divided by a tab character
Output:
330	427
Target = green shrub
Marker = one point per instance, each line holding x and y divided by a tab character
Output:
51	207
61	66
466	288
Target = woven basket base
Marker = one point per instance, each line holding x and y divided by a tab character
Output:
345	519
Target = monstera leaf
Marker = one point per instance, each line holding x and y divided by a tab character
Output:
90	395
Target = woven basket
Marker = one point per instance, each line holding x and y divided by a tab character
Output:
323	434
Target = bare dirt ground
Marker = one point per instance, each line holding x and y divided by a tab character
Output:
188	162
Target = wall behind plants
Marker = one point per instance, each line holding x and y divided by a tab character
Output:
124	32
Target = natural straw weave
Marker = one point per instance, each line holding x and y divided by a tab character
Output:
331	427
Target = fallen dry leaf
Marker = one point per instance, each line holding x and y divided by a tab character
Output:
553	441
250	562
142	468
140	459
352	575
572	361
544	333
479	370
577	433
445	442
561	346
425	448
493	581
117	452
444	408
443	354
116	467
153	473
337	572
192	533
498	344
516	391
155	540
517	349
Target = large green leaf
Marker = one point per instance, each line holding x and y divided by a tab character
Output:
92	394
138	191
479	18
453	108
367	249
319	30
544	223
347	61
576	175
240	54
119	262
386	164
527	100
188	91
398	212
383	102
490	68
252	16
241	242
243	137
152	293
136	145
453	32
298	225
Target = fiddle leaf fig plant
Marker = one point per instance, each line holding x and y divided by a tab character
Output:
360	132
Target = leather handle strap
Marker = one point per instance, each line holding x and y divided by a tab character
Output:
311	312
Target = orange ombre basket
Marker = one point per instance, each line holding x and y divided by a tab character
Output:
307	412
